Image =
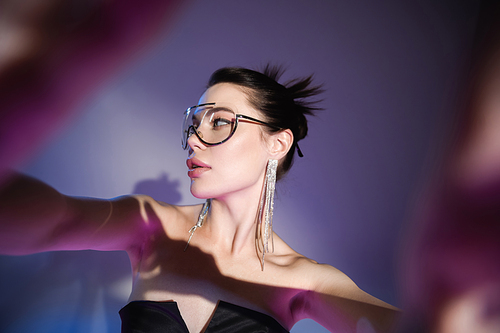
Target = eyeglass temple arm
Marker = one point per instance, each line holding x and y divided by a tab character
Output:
257	121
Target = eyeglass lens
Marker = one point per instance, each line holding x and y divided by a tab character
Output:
212	124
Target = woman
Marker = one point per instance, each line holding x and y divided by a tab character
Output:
218	266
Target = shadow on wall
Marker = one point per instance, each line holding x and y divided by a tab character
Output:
72	291
161	189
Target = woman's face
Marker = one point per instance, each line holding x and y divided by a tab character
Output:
235	166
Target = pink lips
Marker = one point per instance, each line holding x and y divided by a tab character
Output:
196	167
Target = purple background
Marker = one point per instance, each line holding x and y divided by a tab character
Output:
390	71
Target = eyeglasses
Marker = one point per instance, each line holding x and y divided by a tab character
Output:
213	124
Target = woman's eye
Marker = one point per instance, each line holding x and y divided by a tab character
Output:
220	122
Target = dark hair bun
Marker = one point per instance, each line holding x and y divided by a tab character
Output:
283	106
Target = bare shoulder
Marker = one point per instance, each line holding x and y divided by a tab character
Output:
286	257
312	276
305	272
325	279
321	276
324	275
330	283
150	207
328	296
338	304
165	216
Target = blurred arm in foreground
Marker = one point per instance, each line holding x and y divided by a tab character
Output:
54	53
452	280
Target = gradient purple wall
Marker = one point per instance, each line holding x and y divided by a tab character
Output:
390	72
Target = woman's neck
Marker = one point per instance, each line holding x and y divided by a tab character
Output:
232	221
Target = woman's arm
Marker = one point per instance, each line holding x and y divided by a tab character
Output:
34	217
338	304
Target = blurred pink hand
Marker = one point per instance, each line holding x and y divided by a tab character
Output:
53	53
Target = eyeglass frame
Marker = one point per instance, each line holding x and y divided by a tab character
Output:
191	129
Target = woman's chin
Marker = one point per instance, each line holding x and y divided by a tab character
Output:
199	193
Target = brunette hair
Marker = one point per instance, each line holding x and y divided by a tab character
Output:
283	106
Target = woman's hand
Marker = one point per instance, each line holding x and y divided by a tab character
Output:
54	53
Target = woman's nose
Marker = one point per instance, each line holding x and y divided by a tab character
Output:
193	140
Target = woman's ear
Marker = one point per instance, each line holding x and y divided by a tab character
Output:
280	144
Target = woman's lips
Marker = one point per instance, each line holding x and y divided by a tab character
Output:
196	168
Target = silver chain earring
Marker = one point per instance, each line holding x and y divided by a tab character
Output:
266	207
199	223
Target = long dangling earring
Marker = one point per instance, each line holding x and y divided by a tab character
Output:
201	219
266	207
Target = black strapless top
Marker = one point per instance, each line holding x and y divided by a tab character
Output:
163	317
